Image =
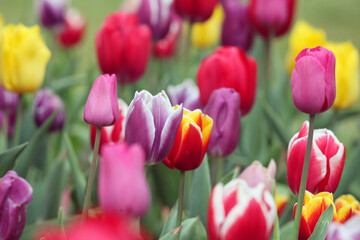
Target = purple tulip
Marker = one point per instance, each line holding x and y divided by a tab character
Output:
313	80
45	104
11	118
224	108
157	14
122	183
51	13
153	123
346	231
8	100
256	173
15	193
102	108
237	29
186	93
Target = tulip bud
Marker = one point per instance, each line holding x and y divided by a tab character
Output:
102	108
186	94
313	80
122	183
73	29
152	123
224	108
15	193
228	67
45	104
348	230
8	100
195	10
238	211
191	141
51	13
326	161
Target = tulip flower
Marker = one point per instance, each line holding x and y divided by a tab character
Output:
228	67
326	161
45	104
123	47
28	73
122	183
348	230
186	94
236	28
73	29
347	74
8	100
15	193
11	118
191	141
313	80
51	13
224	108
346	206
281	202
102	108
195	10
272	16
152	123
238	211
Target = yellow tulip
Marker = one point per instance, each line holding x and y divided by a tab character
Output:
347	74
303	36
24	57
207	34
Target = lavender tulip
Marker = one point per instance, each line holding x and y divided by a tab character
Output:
51	13
8	100
347	231
224	108
45	104
153	123
236	29
15	193
186	93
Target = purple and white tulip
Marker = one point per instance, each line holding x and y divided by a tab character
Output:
51	13
186	93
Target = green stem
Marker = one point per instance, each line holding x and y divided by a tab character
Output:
181	198
92	173
213	172
304	176
16	140
187	49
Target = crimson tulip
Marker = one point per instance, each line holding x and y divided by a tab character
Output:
73	29
195	10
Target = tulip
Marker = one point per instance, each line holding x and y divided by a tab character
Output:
73	29
272	17
207	34
191	141
51	13
123	47
122	183
313	80
346	206
228	67
347	74
15	193
8	100
152	123
45	104
11	118
186	94
224	108
195	10
28	73
326	161
238	211
281	202
102	108
348	230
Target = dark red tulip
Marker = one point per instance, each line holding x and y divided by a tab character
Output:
73	29
195	10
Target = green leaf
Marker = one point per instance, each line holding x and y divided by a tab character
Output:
286	230
200	191
231	175
173	235
67	82
276	231
322	224
171	221
192	228
8	158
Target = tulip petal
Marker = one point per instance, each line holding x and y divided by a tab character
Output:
315	208
207	124
336	166
216	212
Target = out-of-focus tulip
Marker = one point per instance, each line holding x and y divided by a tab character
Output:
346	206
224	108
114	133
73	29
256	173
195	10
303	36
313	80
51	13
347	74
347	231
122	183
153	123
11	118
8	100
186	94
281	202
236	28
25	47
272	16
228	67
238	211
326	161
45	104
191	141
123	47
102	108
207	34
15	193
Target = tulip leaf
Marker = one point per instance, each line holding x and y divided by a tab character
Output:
171	221
192	228
67	82
173	235
322	224
276	231
286	230
8	158
200	191
231	175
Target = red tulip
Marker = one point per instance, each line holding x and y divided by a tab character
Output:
165	47
73	29
195	10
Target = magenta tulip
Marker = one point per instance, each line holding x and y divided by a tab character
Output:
8	100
